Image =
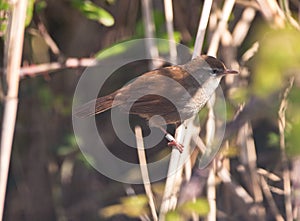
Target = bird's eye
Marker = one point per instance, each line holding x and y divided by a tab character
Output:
215	71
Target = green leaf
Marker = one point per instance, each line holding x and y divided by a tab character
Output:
278	58
46	97
273	139
40	5
199	207
110	2
132	206
135	201
4	6
173	216
29	12
293	122
94	12
293	140
110	211
113	51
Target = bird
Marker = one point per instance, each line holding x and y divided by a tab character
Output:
175	93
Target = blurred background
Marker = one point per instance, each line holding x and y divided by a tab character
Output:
50	179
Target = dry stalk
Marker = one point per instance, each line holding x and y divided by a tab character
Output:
202	27
14	55
174	179
272	12
35	70
286	172
224	175
242	27
144	170
211	182
248	159
46	36
170	30
211	124
222	25
150	32
270	199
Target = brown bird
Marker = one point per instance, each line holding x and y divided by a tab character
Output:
175	93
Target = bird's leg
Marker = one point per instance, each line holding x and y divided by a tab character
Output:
172	140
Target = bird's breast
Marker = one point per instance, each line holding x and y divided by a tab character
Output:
193	104
198	98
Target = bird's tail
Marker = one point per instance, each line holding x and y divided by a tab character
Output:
96	106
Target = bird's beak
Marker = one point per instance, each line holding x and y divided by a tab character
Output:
228	71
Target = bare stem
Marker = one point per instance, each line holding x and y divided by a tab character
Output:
150	31
214	45
14	55
202	27
144	170
286	172
169	23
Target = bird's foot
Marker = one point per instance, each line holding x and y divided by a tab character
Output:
174	142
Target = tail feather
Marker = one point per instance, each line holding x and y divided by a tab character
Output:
96	106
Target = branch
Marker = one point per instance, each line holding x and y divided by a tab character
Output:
45	34
35	70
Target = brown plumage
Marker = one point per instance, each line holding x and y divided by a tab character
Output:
187	87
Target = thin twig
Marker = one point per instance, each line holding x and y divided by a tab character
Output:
35	70
268	174
242	27
224	175
247	4
272	12
48	39
211	196
250	52
144	170
295	176
214	45
248	158
150	32
14	55
170	30
211	182
169	200
286	172
284	4
270	199
202	27
211	124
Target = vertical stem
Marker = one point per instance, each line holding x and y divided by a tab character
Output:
169	22
14	55
286	172
211	196
214	45
149	31
211	182
144	170
202	27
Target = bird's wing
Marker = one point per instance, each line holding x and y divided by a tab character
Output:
155	93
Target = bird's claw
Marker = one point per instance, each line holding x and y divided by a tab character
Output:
174	143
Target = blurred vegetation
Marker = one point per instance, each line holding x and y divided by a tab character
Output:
278	59
49	177
94	12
